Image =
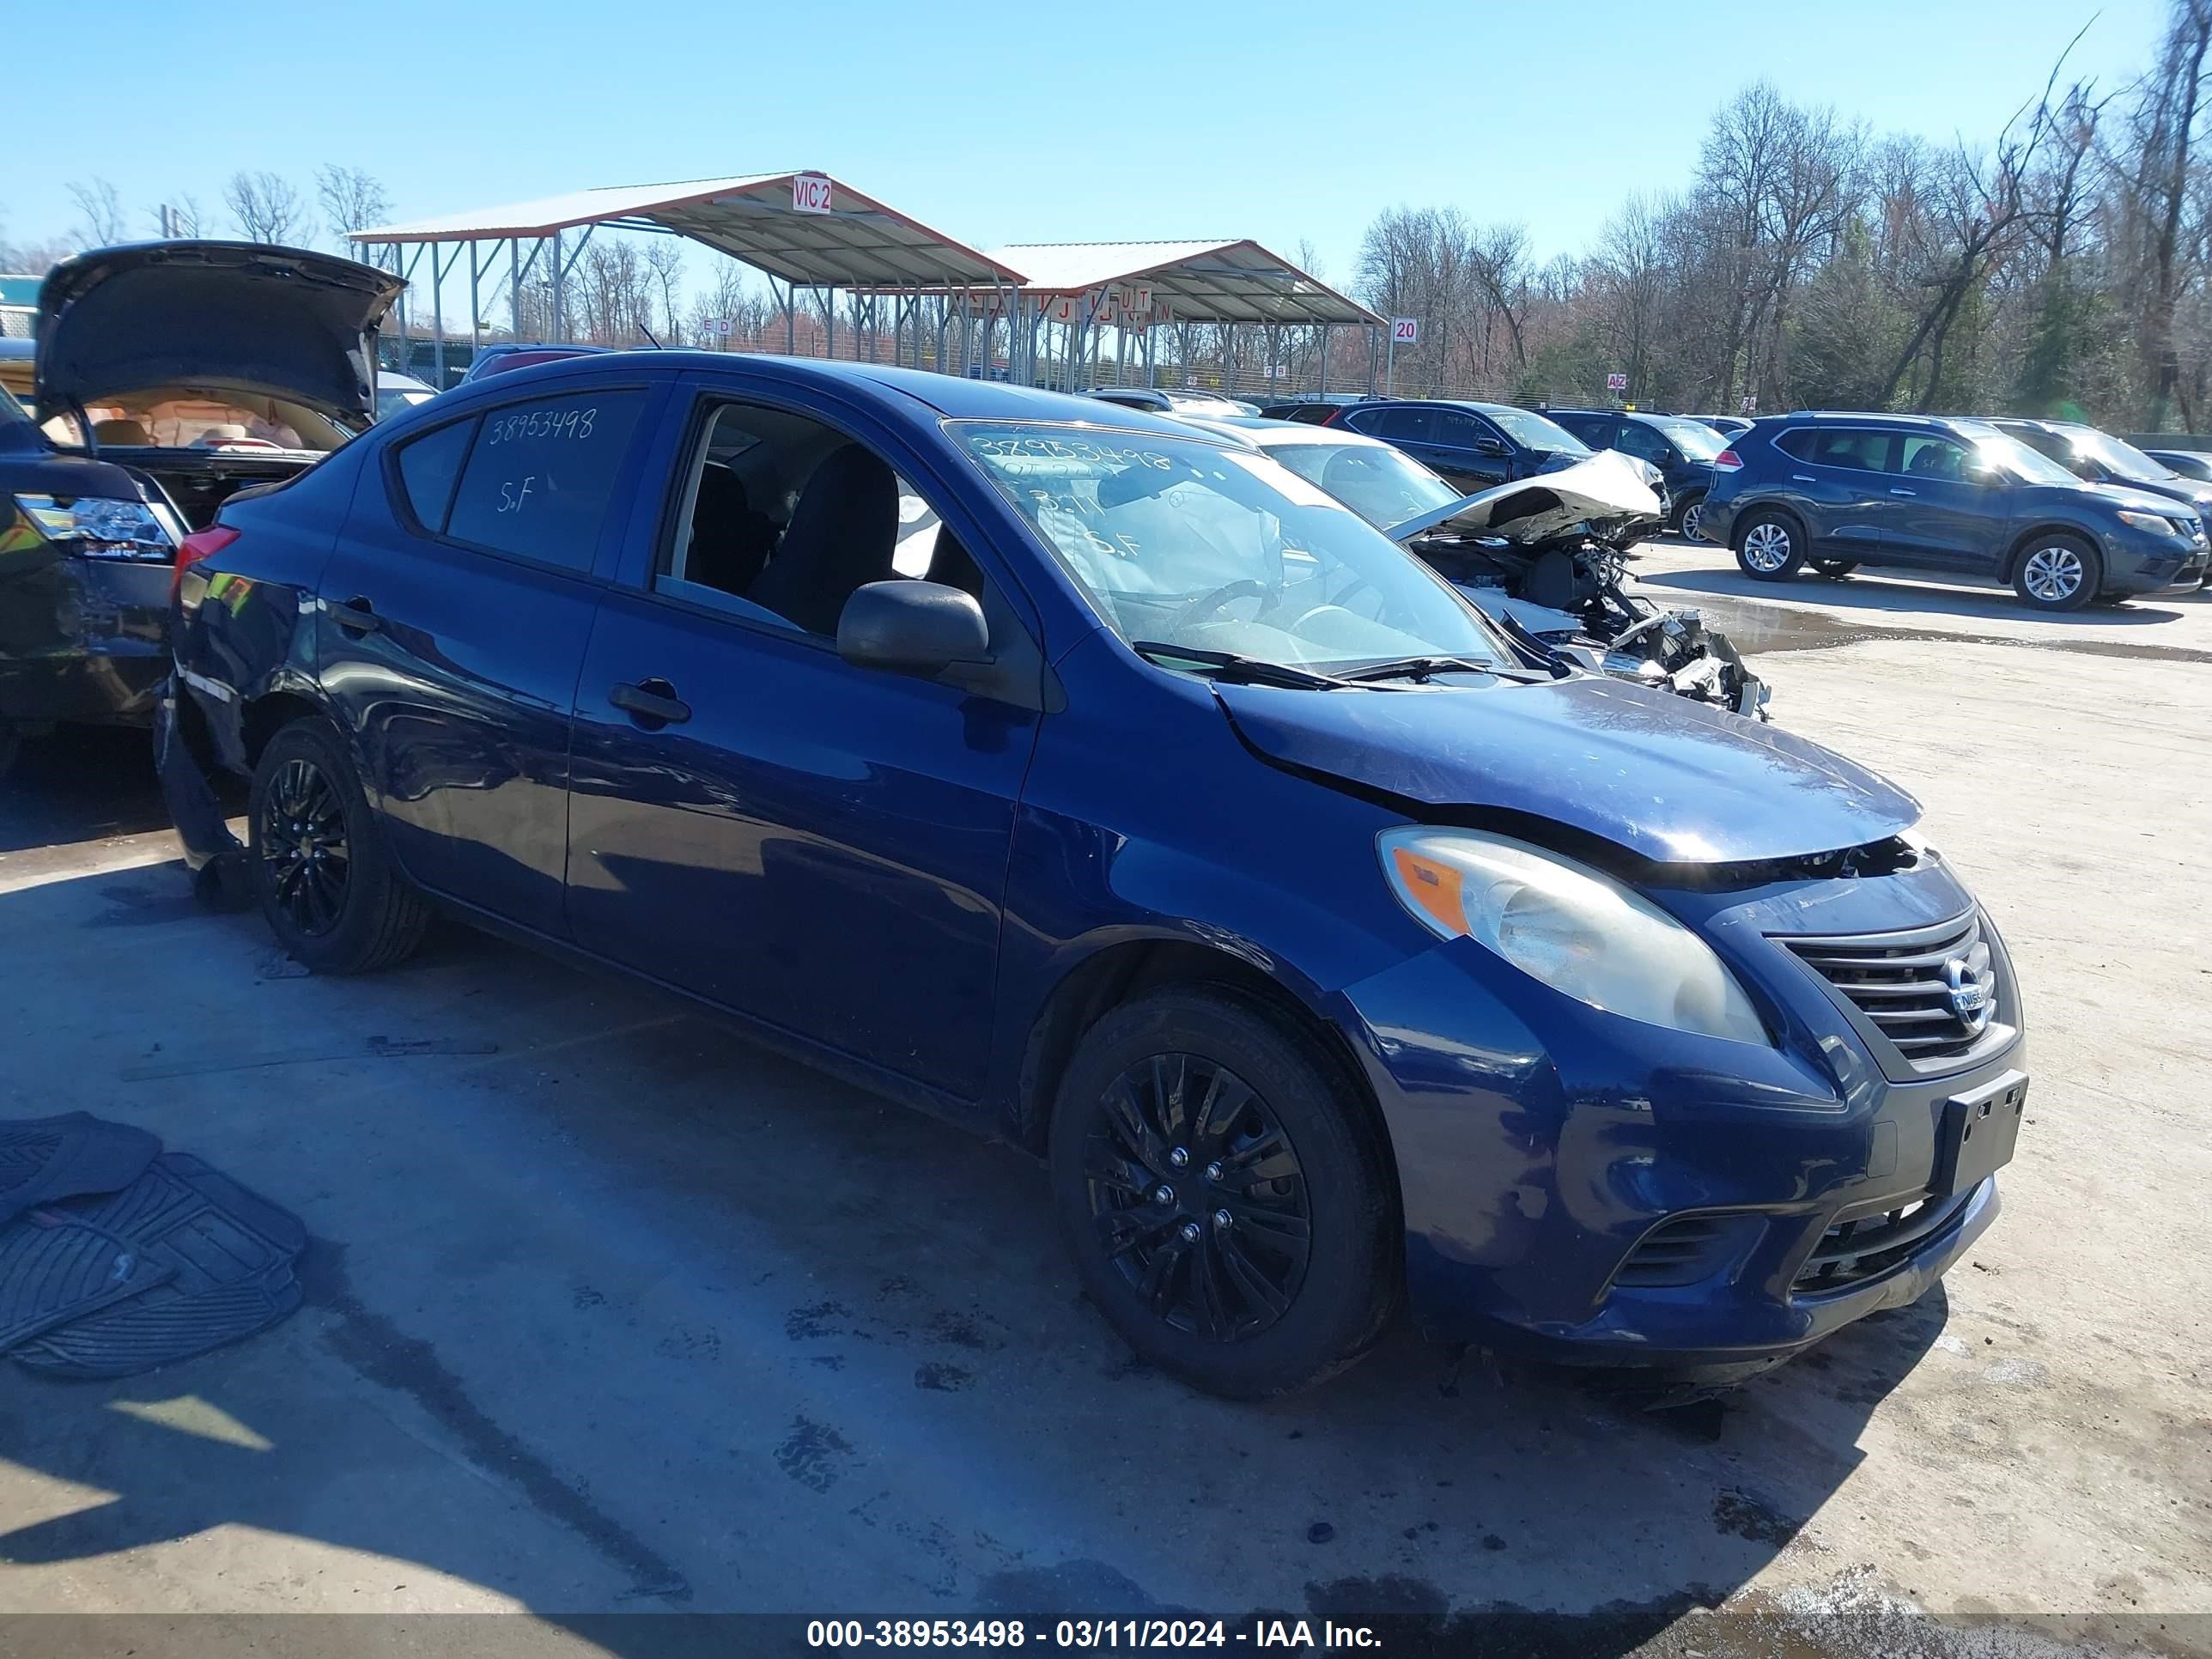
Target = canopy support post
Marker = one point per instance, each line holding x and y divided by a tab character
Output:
1324	360
476	321
437	316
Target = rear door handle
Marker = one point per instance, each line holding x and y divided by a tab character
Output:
654	700
1905	492
355	616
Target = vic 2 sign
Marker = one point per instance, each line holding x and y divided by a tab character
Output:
810	193
1405	330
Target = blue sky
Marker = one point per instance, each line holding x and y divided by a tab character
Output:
1281	122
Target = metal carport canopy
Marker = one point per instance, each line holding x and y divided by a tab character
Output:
1235	281
858	243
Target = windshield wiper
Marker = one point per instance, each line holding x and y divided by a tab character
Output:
1237	671
1558	662
1423	668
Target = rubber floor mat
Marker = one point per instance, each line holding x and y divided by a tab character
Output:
44	1158
203	1260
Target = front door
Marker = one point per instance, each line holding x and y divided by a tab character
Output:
452	617
1941	514
1469	452
822	847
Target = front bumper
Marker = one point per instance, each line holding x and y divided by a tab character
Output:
1542	1148
2135	563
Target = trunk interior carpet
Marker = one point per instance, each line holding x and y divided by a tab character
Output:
179	1260
44	1158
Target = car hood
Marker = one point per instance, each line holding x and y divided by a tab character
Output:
2151	496
279	322
1669	778
1604	489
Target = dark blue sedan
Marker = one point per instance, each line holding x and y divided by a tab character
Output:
1091	783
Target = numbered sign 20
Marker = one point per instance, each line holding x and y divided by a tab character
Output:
810	193
1405	330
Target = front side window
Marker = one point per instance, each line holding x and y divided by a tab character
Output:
1463	431
1182	542
540	475
1642	442
1933	458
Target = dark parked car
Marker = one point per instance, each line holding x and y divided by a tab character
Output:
1314	410
1471	446
1727	425
1681	448
505	358
176	374
1093	783
2194	464
2098	457
1836	491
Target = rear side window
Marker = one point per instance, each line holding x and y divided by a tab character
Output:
540	475
1407	425
1859	449
429	467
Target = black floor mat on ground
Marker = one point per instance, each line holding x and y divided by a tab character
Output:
201	1260
44	1158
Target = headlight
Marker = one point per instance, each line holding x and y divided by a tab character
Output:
1575	928
105	527
2157	523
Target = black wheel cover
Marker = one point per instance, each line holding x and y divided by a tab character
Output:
1199	1199
304	853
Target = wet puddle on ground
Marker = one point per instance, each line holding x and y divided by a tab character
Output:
1761	628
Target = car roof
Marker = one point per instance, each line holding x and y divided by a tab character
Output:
1267	433
948	395
1876	417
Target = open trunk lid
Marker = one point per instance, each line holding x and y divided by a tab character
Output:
228	316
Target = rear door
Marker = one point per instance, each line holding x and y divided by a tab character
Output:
1941	514
819	845
452	621
1836	477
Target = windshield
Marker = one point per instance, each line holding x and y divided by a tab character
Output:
1193	543
1383	485
2011	456
2124	460
1534	432
1694	439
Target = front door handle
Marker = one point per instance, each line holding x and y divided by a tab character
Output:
1905	492
650	703
355	616
1803	477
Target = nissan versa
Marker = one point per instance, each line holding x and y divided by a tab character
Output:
1093	783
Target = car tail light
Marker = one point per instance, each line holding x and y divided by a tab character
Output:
1728	461
200	545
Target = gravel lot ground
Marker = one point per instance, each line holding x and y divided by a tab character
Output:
610	1313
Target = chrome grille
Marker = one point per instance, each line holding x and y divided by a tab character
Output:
1896	980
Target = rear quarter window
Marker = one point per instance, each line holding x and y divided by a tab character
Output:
429	467
540	475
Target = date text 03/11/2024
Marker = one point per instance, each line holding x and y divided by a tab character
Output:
1289	1635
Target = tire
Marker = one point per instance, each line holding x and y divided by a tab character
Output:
1769	547
1835	569
1125	1111
2057	573
318	869
1687	516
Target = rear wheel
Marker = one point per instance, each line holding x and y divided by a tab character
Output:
2058	573
319	868
1835	569
1769	547
1225	1201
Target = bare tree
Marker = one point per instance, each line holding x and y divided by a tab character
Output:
101	210
180	215
351	200
663	264
264	207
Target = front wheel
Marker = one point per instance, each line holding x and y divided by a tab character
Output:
1688	516
320	872
1224	1200
1766	547
2058	573
1835	569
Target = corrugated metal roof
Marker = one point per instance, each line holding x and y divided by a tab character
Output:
858	243
1232	281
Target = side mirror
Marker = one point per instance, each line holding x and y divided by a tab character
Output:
1489	446
912	627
